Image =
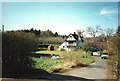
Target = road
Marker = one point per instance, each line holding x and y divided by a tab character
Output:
95	71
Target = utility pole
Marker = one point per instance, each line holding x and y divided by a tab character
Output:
3	28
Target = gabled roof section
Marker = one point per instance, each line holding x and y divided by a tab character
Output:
75	37
71	38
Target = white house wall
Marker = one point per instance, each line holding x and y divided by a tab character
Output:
72	44
63	46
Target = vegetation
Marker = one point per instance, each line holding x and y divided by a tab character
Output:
39	33
102	35
46	64
93	31
46	37
87	60
50	52
51	40
113	62
77	57
68	60
17	48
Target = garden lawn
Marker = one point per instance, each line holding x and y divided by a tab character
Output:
87	60
69	59
46	64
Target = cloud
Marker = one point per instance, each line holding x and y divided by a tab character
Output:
107	10
109	13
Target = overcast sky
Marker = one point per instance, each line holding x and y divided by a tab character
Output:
61	17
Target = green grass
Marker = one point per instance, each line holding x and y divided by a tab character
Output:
46	64
87	60
70	58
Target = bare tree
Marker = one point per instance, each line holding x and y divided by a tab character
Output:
109	32
93	31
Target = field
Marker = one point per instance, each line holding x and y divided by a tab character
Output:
68	60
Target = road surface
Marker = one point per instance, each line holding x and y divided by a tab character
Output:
95	71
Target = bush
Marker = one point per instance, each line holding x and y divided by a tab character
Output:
76	57
113	49
17	49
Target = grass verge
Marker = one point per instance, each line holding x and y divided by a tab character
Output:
87	60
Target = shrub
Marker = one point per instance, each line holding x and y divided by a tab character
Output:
17	49
113	71
75	56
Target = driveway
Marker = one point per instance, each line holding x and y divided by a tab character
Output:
95	71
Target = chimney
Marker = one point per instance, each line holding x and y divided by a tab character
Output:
79	33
